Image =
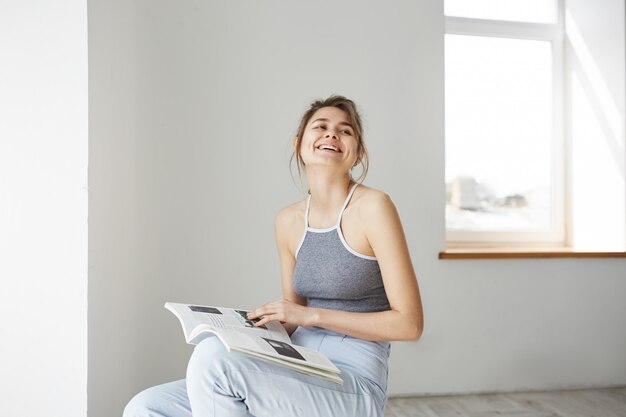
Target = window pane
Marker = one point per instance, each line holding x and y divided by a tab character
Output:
537	11
498	134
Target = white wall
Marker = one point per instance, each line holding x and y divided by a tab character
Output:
43	208
192	107
595	52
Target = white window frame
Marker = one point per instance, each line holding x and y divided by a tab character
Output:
553	33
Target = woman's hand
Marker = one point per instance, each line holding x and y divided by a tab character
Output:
284	311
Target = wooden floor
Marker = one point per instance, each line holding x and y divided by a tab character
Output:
580	403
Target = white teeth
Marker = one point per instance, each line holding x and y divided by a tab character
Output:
332	148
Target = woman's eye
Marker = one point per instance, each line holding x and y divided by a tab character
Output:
347	132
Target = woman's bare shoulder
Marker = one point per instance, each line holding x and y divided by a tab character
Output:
371	198
288	226
290	215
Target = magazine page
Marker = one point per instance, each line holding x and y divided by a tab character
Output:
285	352
307	370
196	319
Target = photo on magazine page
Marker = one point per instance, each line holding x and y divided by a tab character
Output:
202	309
284	349
247	322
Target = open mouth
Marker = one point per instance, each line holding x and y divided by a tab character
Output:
329	148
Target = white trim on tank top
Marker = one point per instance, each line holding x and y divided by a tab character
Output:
337	226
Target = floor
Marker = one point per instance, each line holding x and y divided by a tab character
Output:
610	402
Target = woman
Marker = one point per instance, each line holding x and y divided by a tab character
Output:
348	289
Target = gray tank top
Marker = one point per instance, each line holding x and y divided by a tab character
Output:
330	274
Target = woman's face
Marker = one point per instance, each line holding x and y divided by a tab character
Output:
329	139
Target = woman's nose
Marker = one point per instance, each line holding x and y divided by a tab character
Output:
331	134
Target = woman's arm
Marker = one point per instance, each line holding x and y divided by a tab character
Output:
282	226
404	320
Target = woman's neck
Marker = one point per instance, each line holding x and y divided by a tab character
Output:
328	190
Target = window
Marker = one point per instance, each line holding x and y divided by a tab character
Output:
505	154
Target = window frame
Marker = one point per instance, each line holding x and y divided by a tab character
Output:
553	33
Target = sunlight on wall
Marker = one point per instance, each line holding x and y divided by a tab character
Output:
43	207
598	192
597	145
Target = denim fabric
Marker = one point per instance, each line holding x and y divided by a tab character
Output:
228	384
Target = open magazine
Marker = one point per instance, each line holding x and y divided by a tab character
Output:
269	342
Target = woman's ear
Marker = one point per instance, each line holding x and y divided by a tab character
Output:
295	143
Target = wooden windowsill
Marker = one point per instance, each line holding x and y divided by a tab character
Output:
521	252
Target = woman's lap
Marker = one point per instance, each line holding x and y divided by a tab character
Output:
223	383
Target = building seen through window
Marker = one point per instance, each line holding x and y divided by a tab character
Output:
504	145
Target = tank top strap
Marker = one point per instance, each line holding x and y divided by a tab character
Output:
306	212
345	204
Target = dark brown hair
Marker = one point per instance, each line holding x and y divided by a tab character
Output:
347	106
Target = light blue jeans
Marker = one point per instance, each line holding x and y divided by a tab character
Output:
229	384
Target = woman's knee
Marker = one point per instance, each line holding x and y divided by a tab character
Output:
210	363
208	356
162	400
141	405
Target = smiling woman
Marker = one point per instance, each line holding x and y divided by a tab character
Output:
349	126
348	290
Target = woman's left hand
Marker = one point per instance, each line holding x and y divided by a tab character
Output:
284	311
